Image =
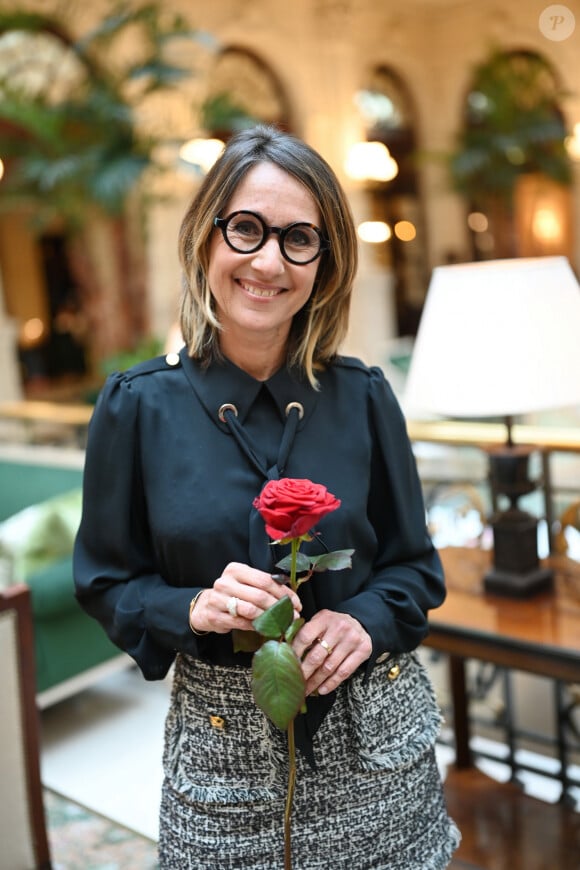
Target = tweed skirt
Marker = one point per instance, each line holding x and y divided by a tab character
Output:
374	801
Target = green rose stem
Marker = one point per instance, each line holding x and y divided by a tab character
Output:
291	743
295	542
277	680
278	683
289	798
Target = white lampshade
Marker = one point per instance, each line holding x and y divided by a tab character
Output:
497	338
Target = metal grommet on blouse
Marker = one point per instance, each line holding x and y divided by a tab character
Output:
227	406
297	405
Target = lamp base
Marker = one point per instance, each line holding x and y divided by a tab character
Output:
514	585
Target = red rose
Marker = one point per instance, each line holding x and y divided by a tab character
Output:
291	507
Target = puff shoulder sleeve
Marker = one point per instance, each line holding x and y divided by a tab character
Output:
406	580
116	577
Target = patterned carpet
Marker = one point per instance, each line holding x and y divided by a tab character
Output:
82	840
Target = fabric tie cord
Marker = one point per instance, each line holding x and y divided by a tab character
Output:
262	553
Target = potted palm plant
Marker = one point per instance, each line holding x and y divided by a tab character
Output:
76	151
513	128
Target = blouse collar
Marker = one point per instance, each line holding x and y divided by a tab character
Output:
224	383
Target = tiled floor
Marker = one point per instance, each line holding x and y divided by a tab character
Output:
102	749
81	840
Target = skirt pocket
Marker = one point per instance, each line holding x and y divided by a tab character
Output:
219	747
394	714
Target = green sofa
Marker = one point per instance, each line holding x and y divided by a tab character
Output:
71	649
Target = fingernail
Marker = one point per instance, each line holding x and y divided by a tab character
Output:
279	578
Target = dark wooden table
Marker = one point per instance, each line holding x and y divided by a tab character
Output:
540	634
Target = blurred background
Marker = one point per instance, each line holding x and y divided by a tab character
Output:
104	108
454	126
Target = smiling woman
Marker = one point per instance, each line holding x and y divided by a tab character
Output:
257	291
177	564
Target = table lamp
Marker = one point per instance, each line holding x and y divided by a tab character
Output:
496	339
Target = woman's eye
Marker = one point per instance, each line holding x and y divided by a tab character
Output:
248	229
301	237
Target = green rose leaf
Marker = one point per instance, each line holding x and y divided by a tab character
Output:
291	633
302	563
246	641
276	619
277	682
335	561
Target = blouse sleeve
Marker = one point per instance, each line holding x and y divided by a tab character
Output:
116	577
407	576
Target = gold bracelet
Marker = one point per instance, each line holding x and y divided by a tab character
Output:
191	609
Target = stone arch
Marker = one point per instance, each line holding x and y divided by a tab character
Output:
390	116
243	89
511	163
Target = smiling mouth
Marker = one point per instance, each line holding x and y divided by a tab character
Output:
261	292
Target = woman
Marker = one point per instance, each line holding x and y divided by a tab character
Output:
171	556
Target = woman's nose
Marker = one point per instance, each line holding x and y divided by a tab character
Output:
269	257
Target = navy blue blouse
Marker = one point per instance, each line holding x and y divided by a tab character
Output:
168	492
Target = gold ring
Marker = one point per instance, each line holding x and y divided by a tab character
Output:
326	646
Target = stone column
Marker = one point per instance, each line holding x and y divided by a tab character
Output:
332	126
10	382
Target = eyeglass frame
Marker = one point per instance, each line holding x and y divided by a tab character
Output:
222	224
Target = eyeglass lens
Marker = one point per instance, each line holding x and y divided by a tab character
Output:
246	232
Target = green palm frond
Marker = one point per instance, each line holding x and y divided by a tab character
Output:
86	148
159	72
35	120
512	125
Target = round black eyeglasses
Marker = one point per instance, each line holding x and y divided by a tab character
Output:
245	232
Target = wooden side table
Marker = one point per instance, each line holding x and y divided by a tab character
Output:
540	634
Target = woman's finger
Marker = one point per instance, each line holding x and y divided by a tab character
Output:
331	647
256	587
237	598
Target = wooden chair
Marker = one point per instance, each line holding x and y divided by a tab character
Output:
23	837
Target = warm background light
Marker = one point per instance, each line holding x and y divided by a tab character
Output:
573	143
544	217
32	331
477	222
201	152
1	169
546	225
374	232
370	161
405	231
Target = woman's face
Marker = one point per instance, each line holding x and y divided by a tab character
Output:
257	295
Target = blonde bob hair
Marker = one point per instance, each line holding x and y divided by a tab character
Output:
320	326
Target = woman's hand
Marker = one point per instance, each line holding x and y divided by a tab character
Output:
236	598
333	645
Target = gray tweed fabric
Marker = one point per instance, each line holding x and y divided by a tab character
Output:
374	802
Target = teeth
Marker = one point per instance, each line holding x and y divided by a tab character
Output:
255	291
